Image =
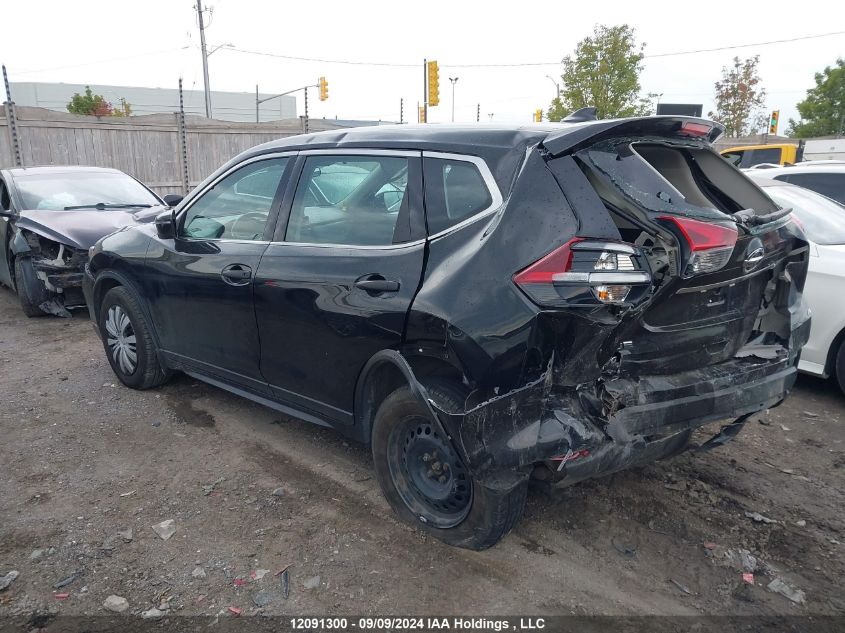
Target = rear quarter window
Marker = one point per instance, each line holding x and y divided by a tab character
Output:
454	191
828	184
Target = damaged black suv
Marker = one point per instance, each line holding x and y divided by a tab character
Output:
482	305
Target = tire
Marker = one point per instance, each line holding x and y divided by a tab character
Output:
840	366
31	292
459	511
128	341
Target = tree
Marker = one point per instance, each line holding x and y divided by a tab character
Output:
823	111
603	72
96	105
740	99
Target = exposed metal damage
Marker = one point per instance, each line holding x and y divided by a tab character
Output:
50	272
616	393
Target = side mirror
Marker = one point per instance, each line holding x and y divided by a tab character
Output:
172	199
166	225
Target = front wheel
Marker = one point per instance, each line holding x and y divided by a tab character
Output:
128	341
426	482
31	292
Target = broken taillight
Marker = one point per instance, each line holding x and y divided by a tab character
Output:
710	245
582	272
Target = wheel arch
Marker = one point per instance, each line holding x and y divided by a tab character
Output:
389	370
115	276
833	350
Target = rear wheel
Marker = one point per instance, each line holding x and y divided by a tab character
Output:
31	292
840	366
426	482
128	341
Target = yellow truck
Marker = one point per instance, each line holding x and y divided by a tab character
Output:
746	156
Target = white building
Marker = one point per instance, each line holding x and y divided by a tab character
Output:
226	106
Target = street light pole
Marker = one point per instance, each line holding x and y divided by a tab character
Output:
204	60
454	80
557	85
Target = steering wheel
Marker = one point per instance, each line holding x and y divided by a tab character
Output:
247	232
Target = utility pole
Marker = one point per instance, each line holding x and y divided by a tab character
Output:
257	102
454	80
204	59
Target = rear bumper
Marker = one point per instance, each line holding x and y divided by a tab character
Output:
642	419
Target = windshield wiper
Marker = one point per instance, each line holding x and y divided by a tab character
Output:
100	206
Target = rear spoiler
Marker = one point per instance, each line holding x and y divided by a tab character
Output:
576	134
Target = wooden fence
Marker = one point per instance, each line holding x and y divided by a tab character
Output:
146	147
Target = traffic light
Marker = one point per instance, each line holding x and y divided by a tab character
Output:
433	84
422	114
538	115
773	122
324	88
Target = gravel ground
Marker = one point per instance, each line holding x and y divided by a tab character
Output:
85	461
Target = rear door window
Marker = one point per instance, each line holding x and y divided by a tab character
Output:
828	184
454	191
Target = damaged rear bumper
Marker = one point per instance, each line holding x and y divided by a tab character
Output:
639	420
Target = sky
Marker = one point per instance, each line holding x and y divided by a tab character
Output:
154	42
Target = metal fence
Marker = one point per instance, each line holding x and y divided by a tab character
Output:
152	148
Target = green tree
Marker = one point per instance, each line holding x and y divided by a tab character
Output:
603	72
823	110
96	105
740	99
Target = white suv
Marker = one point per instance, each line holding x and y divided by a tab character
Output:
826	177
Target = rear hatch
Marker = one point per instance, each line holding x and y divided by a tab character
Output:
682	260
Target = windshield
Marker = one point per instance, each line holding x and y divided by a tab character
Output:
823	218
73	189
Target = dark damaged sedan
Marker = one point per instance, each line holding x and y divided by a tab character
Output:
49	219
481	305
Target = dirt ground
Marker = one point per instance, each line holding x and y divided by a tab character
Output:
84	459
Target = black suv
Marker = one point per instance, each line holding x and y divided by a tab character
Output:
482	305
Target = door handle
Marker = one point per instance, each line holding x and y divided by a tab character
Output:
236	274
375	284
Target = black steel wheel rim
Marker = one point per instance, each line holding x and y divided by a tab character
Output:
428	474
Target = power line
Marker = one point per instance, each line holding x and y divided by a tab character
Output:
520	64
726	48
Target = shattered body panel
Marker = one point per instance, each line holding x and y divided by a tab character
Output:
591	390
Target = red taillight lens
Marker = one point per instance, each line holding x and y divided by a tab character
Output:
703	236
691	128
544	270
711	244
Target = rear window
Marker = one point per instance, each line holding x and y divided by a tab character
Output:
827	184
692	181
760	156
454	191
823	219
